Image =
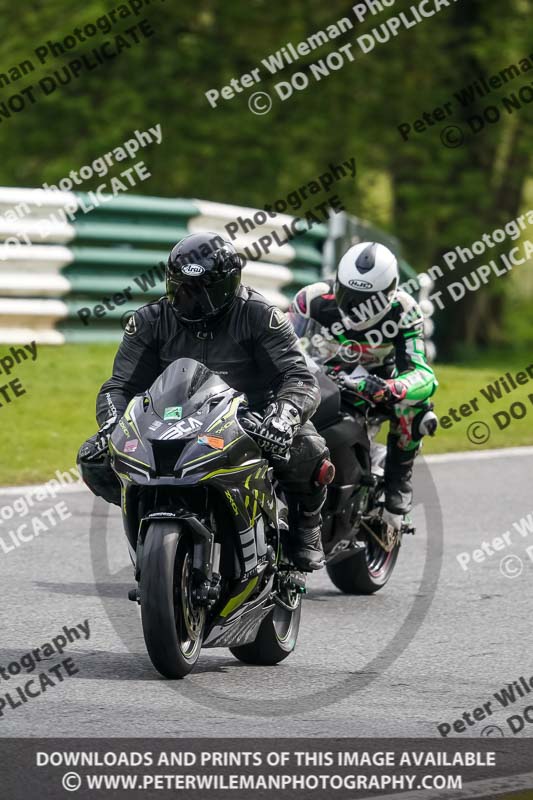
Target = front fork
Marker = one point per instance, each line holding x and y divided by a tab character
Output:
206	554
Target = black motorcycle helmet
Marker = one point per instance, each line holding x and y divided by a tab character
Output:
203	276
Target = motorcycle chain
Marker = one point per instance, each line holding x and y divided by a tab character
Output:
387	547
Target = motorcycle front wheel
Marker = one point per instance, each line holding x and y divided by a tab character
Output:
173	626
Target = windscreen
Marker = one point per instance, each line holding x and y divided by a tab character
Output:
314	340
183	388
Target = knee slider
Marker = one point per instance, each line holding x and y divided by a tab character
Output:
425	423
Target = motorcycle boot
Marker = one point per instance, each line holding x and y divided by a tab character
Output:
305	524
398	478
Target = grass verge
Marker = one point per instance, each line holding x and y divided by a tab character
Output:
43	429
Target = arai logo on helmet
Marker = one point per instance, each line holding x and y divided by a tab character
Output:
193	269
360	284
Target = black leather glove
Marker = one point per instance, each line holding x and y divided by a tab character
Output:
375	389
281	422
98	445
94	464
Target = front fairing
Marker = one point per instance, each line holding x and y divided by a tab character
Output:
183	428
205	447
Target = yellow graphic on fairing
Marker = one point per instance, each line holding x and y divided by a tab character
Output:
129	419
227	471
232	410
236	601
232	502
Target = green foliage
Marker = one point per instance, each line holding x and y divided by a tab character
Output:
432	197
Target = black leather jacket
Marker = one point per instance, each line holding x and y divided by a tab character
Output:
253	347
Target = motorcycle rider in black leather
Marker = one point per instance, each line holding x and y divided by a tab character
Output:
209	316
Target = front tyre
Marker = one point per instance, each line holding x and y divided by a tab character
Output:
276	637
173	626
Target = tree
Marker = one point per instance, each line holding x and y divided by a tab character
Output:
431	196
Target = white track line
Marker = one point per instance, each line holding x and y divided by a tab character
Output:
480	455
21	490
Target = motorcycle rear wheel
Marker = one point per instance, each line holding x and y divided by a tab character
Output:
366	571
276	637
173	626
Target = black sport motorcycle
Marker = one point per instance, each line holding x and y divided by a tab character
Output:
361	547
205	524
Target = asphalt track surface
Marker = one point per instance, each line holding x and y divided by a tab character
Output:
436	642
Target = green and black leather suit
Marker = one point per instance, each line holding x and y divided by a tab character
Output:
393	348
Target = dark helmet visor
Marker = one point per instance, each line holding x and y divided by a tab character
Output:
361	305
201	297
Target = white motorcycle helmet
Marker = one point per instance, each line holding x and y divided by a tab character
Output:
366	284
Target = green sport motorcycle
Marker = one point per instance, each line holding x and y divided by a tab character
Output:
205	524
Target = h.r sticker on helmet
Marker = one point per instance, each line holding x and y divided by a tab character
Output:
193	269
360	284
277	319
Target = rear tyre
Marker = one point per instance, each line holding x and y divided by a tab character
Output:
173	626
366	571
276	637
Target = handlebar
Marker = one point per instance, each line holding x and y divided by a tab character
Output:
250	420
348	390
